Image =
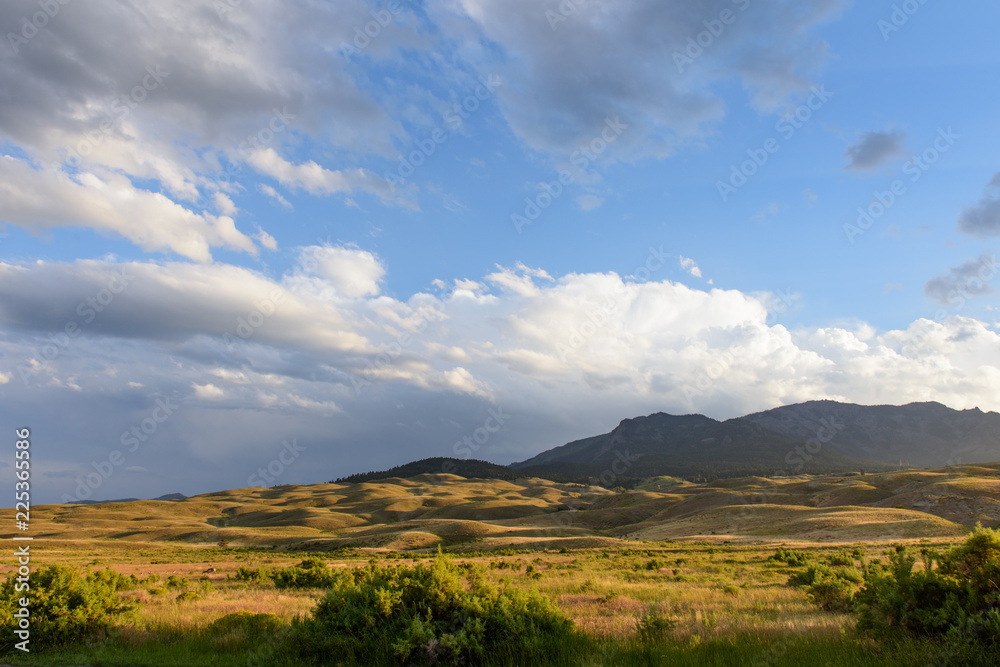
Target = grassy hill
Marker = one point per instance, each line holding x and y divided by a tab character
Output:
423	511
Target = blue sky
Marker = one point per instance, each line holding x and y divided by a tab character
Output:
244	170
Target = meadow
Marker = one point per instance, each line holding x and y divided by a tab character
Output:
670	573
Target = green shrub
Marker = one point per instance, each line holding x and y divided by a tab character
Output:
956	595
67	606
830	588
253	575
788	557
188	596
653	626
422	615
158	591
843	558
173	581
310	573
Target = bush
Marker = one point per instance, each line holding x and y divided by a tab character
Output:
253	575
653	626
958	599
173	581
188	596
843	558
788	557
830	588
425	614
310	573
67	606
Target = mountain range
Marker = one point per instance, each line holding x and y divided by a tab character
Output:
816	437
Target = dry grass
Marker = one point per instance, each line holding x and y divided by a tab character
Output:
713	578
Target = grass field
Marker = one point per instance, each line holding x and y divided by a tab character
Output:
697	555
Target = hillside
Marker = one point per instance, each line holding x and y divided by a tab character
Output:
424	511
691	446
917	434
472	468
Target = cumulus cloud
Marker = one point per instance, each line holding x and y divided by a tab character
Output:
873	150
321	354
964	282
40	199
351	272
983	219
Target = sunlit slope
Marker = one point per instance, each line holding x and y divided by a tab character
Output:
427	510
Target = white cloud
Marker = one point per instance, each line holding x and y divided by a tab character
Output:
351	272
316	179
371	379
183	97
690	266
40	199
207	392
274	194
265	239
5	378
224	204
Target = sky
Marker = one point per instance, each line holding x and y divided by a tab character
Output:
252	242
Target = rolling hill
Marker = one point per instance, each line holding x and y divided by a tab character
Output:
424	511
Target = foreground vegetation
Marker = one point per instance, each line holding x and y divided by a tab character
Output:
646	604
